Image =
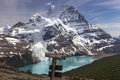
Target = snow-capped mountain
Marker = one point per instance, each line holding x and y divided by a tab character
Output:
67	34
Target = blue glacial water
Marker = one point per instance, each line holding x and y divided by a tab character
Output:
68	64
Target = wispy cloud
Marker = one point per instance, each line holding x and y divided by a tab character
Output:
113	4
12	11
77	3
50	8
95	11
49	3
2	20
112	28
109	25
103	11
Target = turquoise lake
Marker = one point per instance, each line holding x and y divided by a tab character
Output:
68	64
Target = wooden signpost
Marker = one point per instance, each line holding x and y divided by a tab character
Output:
54	67
57	67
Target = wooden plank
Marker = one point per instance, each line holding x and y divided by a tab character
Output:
57	74
57	67
57	56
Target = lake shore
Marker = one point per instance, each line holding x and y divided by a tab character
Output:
106	67
105	55
13	73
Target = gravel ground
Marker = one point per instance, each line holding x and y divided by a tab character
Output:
10	73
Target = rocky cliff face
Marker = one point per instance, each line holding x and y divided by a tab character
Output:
15	52
67	34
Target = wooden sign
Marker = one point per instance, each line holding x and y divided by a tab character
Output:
54	67
57	74
57	67
57	56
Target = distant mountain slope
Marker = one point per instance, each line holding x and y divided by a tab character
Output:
15	52
104	69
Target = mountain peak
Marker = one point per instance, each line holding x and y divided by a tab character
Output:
36	18
71	14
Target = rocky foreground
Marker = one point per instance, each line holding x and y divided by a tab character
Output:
10	73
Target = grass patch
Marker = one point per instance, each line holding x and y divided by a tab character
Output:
104	69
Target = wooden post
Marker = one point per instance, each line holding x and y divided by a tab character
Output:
53	69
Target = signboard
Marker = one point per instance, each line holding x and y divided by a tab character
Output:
57	74
57	56
54	67
57	67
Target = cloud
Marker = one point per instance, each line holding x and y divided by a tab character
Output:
2	20
49	3
113	4
12	11
77	3
109	25
112	28
50	7
8	5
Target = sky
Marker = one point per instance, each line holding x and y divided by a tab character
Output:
102	13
